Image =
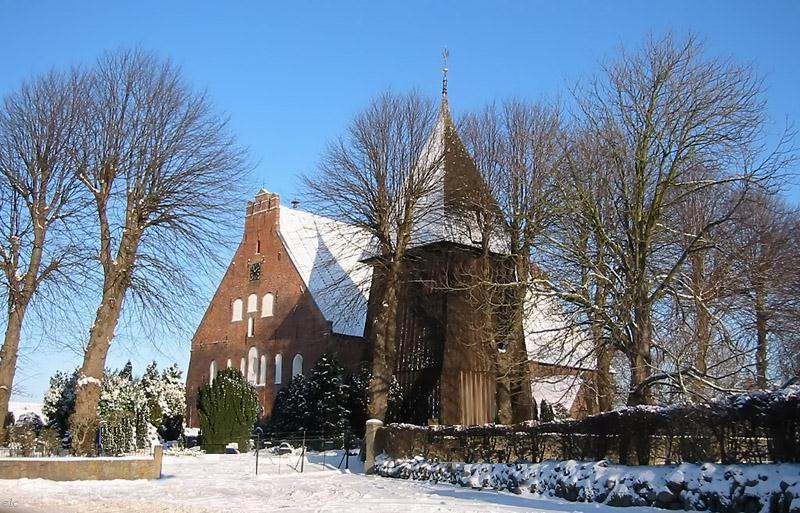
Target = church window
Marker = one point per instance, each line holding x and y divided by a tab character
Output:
262	379
258	246
251	327
229	364
268	305
252	303
252	366
278	368
243	367
297	365
237	310
212	371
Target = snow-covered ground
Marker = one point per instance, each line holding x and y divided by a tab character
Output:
227	483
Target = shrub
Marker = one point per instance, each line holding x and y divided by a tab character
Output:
23	439
228	409
31	421
50	441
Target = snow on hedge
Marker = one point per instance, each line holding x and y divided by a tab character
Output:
709	487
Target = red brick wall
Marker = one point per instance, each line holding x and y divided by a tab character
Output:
297	326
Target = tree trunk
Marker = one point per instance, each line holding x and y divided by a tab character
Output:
8	361
505	410
604	386
639	358
520	397
603	382
761	342
702	329
383	337
84	421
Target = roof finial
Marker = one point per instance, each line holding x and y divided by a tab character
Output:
445	56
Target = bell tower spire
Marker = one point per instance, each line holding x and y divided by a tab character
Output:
445	56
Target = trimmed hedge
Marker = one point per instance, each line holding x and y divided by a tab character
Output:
757	427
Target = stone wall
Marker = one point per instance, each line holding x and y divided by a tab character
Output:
74	469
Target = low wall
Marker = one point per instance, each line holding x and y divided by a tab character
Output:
73	469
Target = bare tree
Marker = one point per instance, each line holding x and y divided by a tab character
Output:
40	202
667	123
165	178
377	178
764	250
518	150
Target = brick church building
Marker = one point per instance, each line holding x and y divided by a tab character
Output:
298	286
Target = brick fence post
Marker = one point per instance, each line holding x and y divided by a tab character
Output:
372	429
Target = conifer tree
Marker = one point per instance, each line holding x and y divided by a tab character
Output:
290	411
328	396
228	409
546	412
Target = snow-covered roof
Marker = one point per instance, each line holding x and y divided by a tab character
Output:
328	254
20	408
552	338
559	389
455	184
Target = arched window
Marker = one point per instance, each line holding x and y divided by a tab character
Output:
251	326
268	305
278	368
262	379
229	364
297	365
243	367
252	366
237	310
212	371
252	303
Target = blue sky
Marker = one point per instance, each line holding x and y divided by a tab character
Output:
291	75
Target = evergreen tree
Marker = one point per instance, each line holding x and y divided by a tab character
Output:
546	412
328	396
228	409
357	385
124	412
172	403
290	410
59	401
166	399
152	387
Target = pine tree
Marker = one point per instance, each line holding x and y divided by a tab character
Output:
152	386
166	399
290	411
59	401
328	396
228	409
172	402
357	385
546	412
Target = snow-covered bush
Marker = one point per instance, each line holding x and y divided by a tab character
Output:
166	399
130	409
773	488
23	439
30	421
59	401
228	409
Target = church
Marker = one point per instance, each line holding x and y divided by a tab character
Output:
299	286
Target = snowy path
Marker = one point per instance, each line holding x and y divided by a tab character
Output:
228	484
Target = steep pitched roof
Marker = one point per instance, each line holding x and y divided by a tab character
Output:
458	188
328	255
